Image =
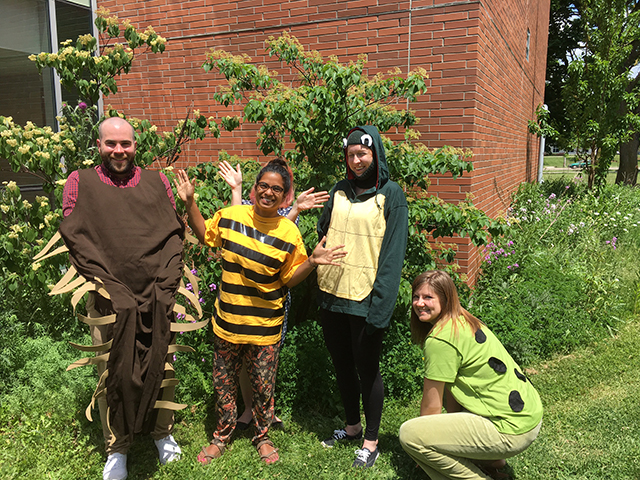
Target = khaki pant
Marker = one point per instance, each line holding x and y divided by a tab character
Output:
445	445
164	422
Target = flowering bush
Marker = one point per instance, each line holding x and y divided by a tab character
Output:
81	66
493	253
23	229
51	156
555	279
37	150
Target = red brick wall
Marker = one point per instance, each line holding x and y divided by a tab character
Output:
482	89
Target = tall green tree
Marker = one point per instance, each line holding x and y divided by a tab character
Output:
592	93
628	168
565	36
305	116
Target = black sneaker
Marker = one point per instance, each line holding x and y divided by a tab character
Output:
338	436
366	458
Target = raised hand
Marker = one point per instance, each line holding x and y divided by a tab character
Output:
184	187
307	199
186	192
231	176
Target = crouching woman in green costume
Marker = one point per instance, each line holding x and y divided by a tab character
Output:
493	411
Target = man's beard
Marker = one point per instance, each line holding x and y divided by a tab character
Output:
107	162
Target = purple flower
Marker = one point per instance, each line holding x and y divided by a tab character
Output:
203	359
189	287
201	300
174	357
212	287
82	106
194	271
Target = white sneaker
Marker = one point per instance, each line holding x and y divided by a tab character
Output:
168	449
116	467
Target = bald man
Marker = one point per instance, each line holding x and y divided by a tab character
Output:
121	227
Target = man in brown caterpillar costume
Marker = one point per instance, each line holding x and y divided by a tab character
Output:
125	239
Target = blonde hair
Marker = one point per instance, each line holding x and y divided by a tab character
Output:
450	308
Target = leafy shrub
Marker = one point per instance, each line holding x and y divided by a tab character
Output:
401	361
538	313
194	370
562	274
24	228
306	378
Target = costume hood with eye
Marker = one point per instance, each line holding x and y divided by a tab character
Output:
378	173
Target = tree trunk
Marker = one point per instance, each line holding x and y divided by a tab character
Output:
628	170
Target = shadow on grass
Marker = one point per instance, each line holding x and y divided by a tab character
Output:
404	466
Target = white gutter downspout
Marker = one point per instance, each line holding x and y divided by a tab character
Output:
53	37
541	159
409	43
96	34
541	153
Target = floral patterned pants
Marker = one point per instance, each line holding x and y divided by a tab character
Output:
262	364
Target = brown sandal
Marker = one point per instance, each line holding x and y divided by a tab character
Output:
267	458
205	458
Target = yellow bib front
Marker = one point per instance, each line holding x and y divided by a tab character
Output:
360	227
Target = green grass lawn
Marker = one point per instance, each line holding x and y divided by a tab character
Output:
590	431
558	161
570	175
591	428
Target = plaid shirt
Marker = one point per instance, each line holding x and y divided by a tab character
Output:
70	194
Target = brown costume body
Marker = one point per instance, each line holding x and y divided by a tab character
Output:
130	240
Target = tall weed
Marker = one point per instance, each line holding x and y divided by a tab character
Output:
564	273
33	377
41	405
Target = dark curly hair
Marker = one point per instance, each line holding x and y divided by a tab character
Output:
281	167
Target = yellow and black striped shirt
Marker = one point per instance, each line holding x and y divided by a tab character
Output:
259	256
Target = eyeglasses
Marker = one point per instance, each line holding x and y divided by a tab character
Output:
263	187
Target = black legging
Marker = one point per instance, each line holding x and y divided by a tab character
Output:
356	358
